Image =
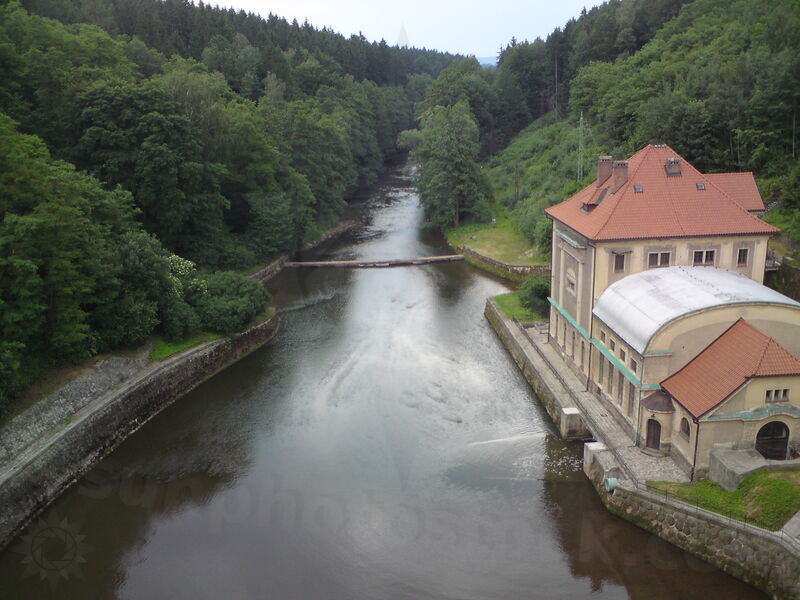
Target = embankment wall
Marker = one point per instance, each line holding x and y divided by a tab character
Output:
42	473
766	560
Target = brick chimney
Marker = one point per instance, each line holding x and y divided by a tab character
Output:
673	167
620	172
603	169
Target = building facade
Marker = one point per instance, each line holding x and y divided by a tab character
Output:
651	264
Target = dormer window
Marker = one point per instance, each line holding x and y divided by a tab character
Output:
638	189
700	186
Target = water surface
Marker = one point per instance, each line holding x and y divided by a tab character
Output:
383	446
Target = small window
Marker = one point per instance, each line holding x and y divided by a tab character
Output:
619	263
571	285
620	389
638	189
612	344
700	186
685	430
603	337
768	396
780	395
658	259
741	257
785	397
622	355
703	257
634	365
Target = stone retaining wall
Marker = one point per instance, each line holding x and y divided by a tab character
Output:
44	472
513	272
766	560
549	390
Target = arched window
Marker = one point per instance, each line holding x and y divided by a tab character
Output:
685	430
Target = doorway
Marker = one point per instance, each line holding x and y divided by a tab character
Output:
772	441
653	434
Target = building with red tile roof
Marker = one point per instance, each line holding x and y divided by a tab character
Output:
728	363
654	265
658	194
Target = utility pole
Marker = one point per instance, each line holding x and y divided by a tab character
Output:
580	148
555	96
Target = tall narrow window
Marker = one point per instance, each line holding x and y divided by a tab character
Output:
631	396
619	263
602	368
741	257
620	389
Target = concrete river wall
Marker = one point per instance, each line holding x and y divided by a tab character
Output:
46	469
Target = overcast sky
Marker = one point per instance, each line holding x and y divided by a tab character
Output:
465	26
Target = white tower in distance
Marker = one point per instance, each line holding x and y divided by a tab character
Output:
402	39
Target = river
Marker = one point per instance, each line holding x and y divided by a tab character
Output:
384	445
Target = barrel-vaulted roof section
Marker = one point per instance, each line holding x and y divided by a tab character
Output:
653	203
637	306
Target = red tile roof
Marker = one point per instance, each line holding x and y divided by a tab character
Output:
728	362
666	206
741	187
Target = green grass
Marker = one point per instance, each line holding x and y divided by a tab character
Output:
499	240
163	349
766	498
511	307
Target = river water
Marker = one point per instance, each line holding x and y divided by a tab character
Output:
384	445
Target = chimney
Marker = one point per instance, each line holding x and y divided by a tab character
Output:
673	167
603	169
620	170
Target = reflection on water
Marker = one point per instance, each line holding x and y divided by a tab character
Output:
382	446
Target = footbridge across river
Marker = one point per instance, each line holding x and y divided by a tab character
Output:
374	264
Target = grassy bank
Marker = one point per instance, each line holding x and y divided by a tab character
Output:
511	307
163	349
499	240
766	498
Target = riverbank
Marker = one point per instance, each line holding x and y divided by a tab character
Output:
60	447
618	470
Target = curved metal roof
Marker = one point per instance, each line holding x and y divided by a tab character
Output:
638	305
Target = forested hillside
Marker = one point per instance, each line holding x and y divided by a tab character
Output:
141	138
717	80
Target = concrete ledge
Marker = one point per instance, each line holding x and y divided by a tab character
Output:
551	393
45	470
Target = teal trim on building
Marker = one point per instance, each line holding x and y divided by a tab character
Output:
625	371
568	317
759	413
658	353
569	239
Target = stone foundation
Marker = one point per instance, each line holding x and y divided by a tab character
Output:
769	561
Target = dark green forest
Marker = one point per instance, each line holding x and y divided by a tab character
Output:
152	150
718	80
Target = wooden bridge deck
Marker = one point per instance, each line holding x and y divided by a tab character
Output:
374	264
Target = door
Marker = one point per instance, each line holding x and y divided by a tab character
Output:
653	434
772	440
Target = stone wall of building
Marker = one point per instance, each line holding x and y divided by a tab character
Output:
769	561
39	475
